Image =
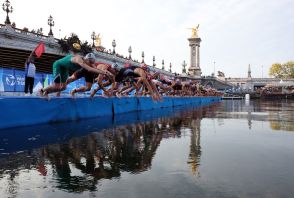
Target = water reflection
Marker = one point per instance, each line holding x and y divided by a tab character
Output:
214	154
78	164
279	114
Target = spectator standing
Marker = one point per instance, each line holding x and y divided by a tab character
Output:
30	71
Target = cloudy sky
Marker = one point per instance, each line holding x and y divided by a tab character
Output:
234	33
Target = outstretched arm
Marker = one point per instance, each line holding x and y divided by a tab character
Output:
80	61
29	58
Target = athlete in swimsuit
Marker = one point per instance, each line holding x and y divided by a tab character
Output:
63	66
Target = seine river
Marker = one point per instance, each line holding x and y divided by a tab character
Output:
227	149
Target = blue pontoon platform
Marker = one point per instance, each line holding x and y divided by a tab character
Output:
25	111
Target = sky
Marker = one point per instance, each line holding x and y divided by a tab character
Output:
234	33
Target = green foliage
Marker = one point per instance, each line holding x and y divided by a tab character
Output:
285	70
86	48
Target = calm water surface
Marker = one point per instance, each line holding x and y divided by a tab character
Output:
228	149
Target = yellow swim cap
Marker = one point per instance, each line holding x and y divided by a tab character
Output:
77	46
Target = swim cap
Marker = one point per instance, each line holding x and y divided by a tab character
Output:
76	46
90	56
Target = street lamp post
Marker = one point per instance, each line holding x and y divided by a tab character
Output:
143	55
162	65
113	45
170	66
8	9
184	67
93	37
130	52
214	68
51	24
154	61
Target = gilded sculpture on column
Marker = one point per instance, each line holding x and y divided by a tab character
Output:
98	41
195	31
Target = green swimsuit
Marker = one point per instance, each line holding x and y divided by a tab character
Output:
62	67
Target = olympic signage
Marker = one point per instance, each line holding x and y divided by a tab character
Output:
12	80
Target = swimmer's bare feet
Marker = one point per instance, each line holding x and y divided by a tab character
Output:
43	94
72	93
93	92
118	95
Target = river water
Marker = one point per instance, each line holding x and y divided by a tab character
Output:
227	149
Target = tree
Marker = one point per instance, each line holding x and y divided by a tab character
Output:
285	70
276	70
289	69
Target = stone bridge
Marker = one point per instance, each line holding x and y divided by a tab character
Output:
17	44
251	84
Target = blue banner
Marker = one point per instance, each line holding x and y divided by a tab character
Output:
19	80
1	83
39	82
8	79
76	84
70	87
48	80
12	80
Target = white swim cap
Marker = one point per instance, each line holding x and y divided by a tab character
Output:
90	56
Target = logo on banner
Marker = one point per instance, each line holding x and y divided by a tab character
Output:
10	80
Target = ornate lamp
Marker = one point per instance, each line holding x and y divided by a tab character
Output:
8	9
184	67
130	52
93	37
143	55
162	65
113	45
214	68
154	61
170	66
51	24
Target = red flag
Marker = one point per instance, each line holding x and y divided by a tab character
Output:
40	49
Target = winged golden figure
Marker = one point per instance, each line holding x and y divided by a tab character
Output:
195	31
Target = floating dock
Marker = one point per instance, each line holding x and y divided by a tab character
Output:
26	111
232	98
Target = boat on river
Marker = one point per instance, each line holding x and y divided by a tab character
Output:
278	91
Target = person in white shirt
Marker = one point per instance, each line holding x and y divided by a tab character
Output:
30	71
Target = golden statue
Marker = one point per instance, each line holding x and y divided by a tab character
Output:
98	41
195	31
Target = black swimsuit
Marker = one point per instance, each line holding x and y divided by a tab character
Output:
89	77
177	86
126	75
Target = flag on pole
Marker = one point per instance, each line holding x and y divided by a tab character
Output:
40	49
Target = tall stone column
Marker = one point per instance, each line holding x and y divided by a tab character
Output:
194	69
